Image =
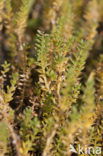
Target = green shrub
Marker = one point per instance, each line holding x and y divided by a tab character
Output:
51	77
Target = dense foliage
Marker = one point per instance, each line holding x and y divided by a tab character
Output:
51	77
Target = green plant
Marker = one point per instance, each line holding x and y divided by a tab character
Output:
51	89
